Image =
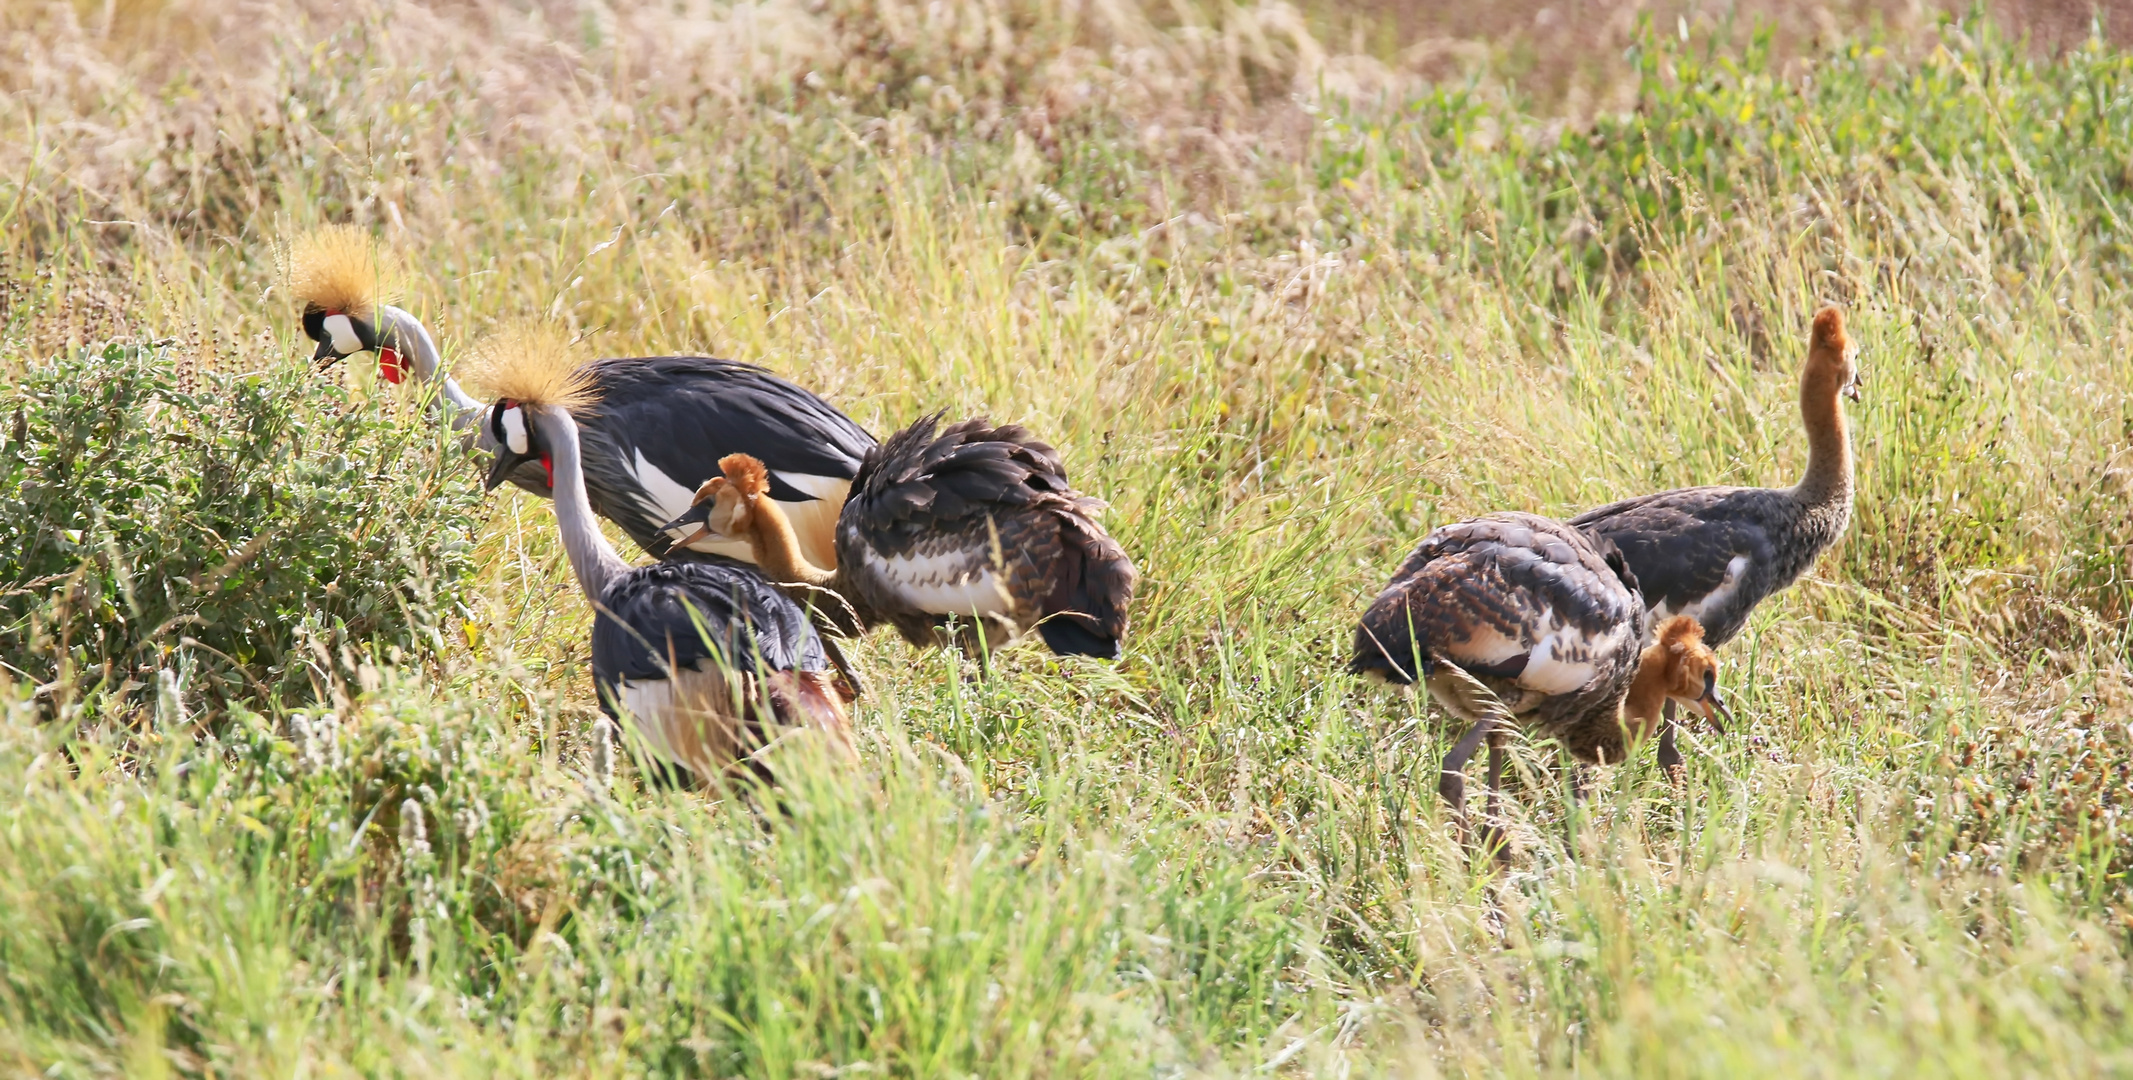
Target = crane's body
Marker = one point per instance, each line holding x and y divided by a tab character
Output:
710	661
973	526
1716	553
707	660
1542	615
975	522
1512	619
656	427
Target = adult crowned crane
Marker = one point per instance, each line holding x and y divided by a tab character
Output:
973	524
652	428
711	661
1515	620
1714	553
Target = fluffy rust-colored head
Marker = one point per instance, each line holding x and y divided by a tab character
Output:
1691	667
1831	356
726	506
747	473
529	363
337	268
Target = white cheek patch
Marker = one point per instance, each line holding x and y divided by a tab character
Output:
342	333
515	431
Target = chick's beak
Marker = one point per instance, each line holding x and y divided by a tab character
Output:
1851	389
1712	706
698	516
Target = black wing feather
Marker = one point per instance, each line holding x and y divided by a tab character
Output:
684	413
1679	544
675	614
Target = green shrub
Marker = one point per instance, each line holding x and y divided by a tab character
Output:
236	539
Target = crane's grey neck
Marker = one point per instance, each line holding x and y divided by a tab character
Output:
405	334
592	558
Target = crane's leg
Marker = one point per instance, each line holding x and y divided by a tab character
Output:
1451	776
1494	838
1669	754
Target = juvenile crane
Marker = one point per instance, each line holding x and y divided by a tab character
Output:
1714	553
1513	619
972	524
711	661
652	428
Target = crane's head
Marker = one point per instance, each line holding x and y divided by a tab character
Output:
726	505
527	365
1691	667
516	443
1833	355
334	273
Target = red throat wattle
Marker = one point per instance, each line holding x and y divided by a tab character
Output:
548	467
390	366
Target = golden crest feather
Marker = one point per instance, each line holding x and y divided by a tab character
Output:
530	362
336	268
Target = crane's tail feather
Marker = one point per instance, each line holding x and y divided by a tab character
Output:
1086	613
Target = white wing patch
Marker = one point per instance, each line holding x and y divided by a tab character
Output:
686	720
650	705
821	487
942	584
661	495
1716	599
1561	661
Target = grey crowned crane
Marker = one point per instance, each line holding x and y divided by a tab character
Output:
1714	553
971	524
1515	620
652	428
711	662
334	273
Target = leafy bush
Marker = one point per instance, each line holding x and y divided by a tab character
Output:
238	537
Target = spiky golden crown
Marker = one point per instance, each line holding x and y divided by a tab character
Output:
529	362
336	268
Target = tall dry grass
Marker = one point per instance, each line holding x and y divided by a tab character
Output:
1287	299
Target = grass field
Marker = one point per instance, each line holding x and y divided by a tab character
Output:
295	740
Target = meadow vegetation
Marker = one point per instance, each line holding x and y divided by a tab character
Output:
295	734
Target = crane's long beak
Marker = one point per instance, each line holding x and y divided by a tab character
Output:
325	357
501	469
698	516
1712	706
